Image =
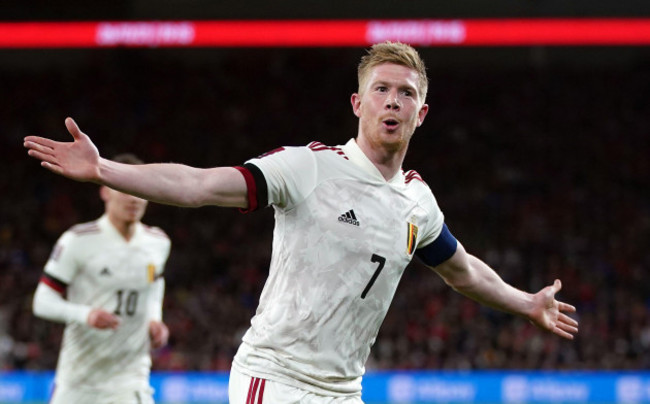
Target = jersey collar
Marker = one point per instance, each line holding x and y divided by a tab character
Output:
105	223
358	157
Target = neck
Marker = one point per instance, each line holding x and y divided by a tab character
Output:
126	229
387	160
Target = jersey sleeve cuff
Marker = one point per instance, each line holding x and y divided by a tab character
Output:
256	187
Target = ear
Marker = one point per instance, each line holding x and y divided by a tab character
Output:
356	104
422	113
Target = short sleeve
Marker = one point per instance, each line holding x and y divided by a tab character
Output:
435	219
436	243
62	263
283	177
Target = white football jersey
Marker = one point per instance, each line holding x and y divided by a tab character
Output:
342	239
99	268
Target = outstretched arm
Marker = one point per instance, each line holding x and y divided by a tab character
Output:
173	184
475	279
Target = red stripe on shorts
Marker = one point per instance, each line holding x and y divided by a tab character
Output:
252	390
260	397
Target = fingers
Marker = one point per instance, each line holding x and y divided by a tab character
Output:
52	167
72	127
43	149
47	161
563	318
567	324
565	330
107	321
42	155
552	290
101	319
32	142
113	323
557	285
562	333
38	151
46	145
566	307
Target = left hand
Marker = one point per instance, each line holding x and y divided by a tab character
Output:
158	333
78	159
548	313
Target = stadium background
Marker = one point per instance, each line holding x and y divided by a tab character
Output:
538	157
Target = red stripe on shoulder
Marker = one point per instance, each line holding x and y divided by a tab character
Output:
86	228
318	146
412	175
279	149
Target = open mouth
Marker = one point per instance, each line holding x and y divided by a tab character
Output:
390	124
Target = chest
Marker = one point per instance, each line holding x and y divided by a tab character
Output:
118	265
352	218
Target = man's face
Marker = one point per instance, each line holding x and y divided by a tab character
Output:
122	207
389	106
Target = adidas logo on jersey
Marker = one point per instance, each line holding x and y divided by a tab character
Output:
105	272
349	217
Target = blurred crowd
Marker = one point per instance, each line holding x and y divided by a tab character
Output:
542	172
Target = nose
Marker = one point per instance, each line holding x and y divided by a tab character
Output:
392	102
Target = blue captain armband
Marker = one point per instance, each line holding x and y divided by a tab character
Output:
440	250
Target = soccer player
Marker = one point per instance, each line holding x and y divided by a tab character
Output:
348	220
104	280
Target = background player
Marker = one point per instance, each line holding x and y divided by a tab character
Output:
104	280
331	281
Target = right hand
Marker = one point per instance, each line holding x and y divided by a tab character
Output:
78	159
102	319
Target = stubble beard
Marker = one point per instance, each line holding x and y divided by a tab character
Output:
390	142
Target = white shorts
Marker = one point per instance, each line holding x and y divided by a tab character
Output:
243	389
63	395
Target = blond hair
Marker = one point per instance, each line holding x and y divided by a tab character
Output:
397	53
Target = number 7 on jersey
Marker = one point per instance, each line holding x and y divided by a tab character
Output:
379	260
